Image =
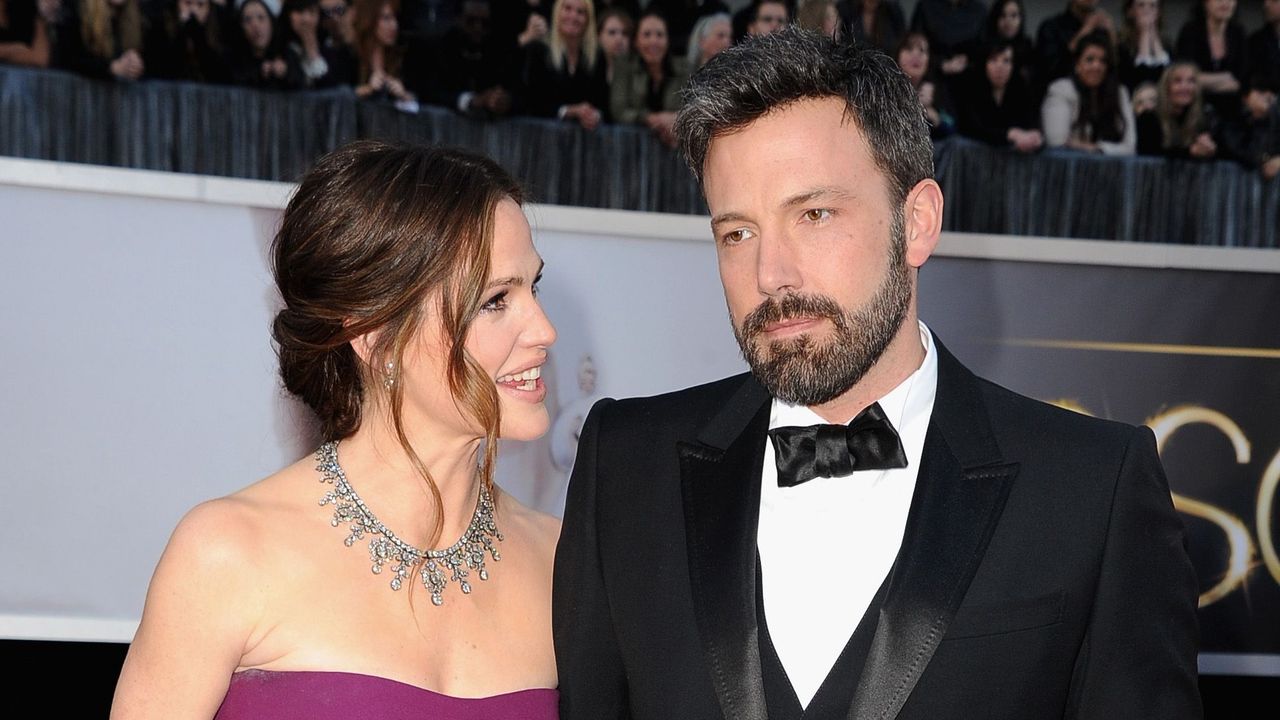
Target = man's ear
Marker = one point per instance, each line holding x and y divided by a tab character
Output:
922	212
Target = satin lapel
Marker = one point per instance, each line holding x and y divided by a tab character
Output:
720	473
960	492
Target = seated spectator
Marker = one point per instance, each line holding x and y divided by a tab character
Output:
997	107
1006	23
647	91
303	44
1264	45
761	17
564	77
1059	37
1215	42
101	39
1141	49
819	16
682	16
186	44
1253	138
913	57
476	73
711	35
257	57
1181	126
1090	111
338	41
24	37
613	33
953	28
380	55
877	22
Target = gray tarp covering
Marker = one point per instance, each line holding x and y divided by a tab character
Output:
246	133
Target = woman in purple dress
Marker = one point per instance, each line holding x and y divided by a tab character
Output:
411	327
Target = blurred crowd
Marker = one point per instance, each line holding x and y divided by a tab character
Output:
1087	81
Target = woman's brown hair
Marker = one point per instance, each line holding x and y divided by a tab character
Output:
365	27
374	233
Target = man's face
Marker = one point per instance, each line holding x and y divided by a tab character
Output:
810	248
475	21
770	16
337	17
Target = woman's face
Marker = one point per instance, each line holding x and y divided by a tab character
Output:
305	20
1000	68
718	38
571	22
388	30
651	40
1010	22
613	37
1144	13
508	340
256	23
914	59
1182	87
1091	68
1220	10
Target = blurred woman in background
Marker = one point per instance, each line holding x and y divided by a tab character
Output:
997	107
1090	111
102	39
564	77
711	35
647	92
1181	125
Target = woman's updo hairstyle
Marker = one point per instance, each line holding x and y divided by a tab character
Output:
374	230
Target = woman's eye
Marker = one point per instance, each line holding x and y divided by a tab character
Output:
495	303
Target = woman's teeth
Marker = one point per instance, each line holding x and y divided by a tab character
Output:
527	380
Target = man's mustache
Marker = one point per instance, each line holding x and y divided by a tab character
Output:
790	306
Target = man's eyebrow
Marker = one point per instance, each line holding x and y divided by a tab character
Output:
728	217
808	196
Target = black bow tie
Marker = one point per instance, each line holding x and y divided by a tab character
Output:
868	442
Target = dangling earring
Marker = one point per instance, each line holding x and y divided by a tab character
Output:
389	376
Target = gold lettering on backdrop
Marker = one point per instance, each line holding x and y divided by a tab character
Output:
1240	550
1266	504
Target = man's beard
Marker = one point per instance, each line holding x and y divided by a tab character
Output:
804	371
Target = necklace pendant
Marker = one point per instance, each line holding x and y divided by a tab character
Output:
464	556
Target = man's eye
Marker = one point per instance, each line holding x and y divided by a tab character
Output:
817	215
736	236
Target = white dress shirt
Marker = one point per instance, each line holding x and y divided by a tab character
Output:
826	545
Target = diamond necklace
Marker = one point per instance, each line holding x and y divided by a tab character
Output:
457	560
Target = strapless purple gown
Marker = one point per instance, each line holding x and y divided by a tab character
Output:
322	695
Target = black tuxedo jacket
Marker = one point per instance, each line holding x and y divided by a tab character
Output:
1042	574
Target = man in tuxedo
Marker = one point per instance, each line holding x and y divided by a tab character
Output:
859	527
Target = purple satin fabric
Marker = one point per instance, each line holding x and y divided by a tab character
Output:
322	695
